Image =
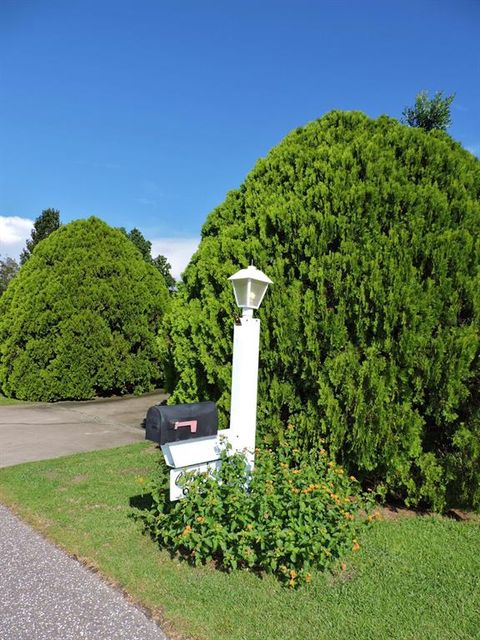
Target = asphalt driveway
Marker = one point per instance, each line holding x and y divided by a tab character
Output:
46	595
41	431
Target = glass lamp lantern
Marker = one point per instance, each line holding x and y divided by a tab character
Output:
249	286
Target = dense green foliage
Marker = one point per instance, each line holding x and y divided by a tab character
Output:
430	113
80	318
370	231
47	222
300	512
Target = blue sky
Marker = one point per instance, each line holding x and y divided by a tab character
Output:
146	112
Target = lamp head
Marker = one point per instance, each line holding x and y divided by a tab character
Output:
249	286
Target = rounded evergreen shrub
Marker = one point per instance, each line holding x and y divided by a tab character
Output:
370	231
81	318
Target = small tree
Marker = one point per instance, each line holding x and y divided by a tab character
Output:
162	264
142	244
145	247
429	113
47	221
8	268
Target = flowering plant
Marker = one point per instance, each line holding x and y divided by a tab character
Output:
297	511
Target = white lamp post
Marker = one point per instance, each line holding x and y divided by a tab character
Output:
249	286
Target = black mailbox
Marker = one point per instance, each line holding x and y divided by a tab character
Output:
171	423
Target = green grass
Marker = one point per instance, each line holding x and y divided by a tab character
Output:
414	578
5	401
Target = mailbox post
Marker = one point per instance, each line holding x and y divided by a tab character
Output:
187	433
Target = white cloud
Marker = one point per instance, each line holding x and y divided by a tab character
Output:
14	231
178	252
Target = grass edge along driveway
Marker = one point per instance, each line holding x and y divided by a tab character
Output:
413	578
4	402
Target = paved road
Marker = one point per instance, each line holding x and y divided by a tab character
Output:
45	595
41	431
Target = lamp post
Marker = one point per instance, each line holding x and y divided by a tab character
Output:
249	286
199	448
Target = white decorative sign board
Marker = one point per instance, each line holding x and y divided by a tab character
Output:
176	492
199	455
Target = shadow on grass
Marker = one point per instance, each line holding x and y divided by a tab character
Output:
142	502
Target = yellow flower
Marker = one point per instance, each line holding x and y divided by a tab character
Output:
293	573
187	530
308	578
291	583
322	452
356	546
295	471
200	519
353	479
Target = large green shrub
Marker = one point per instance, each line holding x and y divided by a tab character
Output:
81	317
370	231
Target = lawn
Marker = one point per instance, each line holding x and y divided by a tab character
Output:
5	401
413	578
